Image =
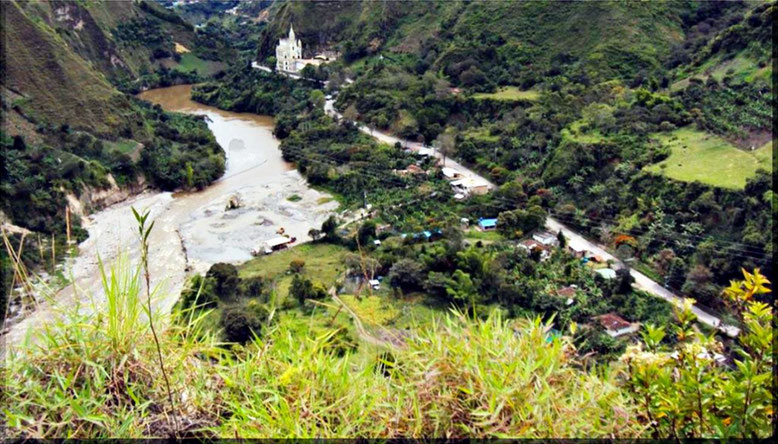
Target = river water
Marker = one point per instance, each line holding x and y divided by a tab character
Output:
194	230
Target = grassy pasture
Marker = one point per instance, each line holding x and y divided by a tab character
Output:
704	157
509	94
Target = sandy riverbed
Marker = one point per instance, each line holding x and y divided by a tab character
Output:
194	230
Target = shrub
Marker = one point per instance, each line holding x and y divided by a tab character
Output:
297	265
242	322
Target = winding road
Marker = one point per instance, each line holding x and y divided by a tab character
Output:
642	281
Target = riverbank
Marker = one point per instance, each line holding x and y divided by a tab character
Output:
194	229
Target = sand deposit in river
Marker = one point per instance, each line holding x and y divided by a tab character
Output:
194	230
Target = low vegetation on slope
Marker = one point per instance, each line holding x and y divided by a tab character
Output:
97	375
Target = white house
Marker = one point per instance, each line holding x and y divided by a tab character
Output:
450	173
546	238
616	326
470	186
606	273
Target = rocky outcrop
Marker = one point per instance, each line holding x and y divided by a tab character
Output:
92	200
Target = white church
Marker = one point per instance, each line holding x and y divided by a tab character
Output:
289	55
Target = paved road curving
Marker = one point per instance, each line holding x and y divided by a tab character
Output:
642	281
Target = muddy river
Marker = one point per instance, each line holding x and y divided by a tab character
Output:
194	230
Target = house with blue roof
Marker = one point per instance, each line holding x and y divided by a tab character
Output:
487	224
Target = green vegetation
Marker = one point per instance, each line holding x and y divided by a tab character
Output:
191	63
510	94
323	264
110	361
698	156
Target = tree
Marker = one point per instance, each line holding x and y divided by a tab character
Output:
199	292
445	143
406	274
316	97
461	288
19	144
303	288
624	281
225	279
328	228
561	239
308	72
516	223
297	265
366	232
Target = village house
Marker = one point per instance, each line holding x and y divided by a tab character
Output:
470	186
568	293
616	326
411	169
577	252
487	224
606	273
530	245
546	238
450	173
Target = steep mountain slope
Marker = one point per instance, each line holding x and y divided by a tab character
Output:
55	84
507	40
61	59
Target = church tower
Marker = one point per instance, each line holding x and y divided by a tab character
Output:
288	51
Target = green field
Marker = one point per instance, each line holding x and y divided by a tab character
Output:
696	155
323	263
190	62
509	94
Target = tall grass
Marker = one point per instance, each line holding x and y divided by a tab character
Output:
106	372
95	375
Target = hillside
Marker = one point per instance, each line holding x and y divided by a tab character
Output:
70	129
511	42
50	82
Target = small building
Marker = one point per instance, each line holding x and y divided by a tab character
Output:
470	186
531	245
487	224
606	273
568	293
278	243
426	152
578	252
450	173
383	228
377	243
616	326
375	284
546	238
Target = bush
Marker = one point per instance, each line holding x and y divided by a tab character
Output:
303	288
242	322
297	265
199	292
